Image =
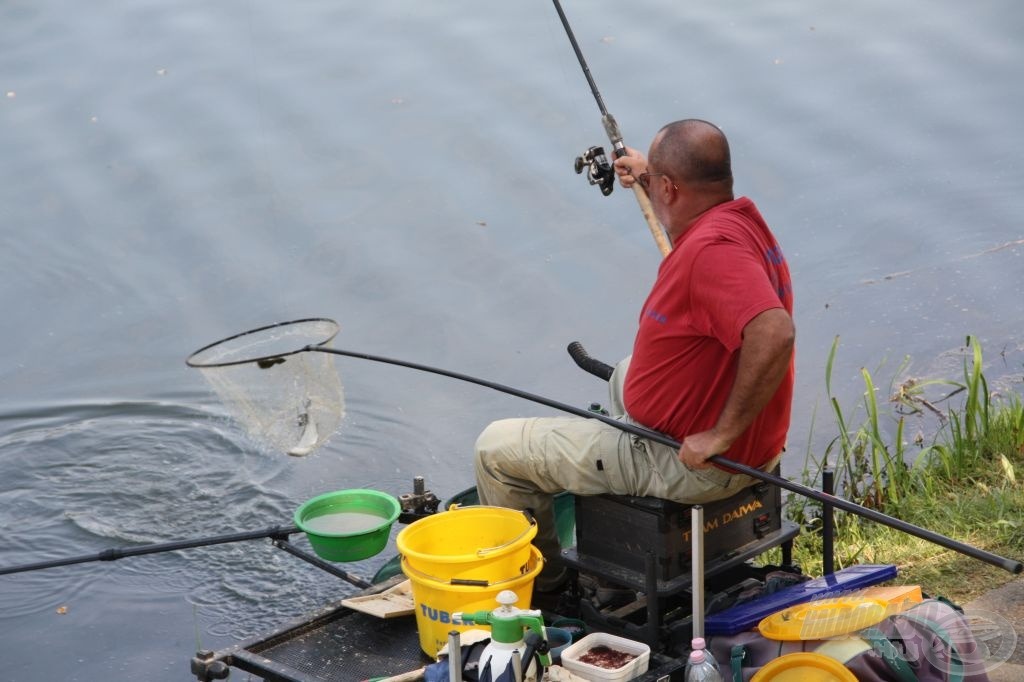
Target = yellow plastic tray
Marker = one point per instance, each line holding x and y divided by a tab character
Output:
804	667
823	618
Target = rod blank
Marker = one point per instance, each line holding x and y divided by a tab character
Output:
1011	565
116	553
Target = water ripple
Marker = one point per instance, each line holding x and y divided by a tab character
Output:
85	477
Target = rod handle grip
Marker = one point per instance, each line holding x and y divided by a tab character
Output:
588	364
652	222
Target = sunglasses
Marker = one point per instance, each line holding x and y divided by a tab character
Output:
645	179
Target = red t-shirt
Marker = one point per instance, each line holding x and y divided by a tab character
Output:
725	270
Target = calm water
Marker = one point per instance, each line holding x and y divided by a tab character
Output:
173	173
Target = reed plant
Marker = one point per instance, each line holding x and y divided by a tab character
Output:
962	481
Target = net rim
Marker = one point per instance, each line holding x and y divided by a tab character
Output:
191	362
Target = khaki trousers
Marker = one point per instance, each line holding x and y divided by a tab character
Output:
523	463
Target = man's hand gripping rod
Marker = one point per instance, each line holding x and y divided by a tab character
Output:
595	154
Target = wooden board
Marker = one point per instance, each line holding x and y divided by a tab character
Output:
391	603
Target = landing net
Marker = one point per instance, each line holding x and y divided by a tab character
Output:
286	398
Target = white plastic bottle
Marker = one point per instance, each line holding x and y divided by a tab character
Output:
700	669
698	643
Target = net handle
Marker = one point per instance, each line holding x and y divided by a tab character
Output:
1010	565
191	362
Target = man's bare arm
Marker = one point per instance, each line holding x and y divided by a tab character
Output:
767	349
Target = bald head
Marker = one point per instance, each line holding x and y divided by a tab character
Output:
694	152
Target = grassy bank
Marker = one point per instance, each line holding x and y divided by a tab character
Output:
964	480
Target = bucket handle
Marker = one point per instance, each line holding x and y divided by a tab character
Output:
407	568
487	550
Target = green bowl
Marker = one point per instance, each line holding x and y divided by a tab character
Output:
348	525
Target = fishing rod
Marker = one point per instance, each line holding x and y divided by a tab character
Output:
116	553
1009	565
599	171
279	535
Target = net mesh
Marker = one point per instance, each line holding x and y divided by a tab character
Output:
289	400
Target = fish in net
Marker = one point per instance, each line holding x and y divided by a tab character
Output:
284	397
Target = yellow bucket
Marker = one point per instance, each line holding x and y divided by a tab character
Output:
436	600
469	543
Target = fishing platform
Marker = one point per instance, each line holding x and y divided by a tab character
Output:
632	577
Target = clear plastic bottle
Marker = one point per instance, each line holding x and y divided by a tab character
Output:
700	668
698	644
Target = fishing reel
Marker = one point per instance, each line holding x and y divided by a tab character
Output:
599	171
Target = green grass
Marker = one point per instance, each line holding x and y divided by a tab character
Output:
965	483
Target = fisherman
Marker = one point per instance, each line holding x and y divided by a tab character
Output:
712	361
